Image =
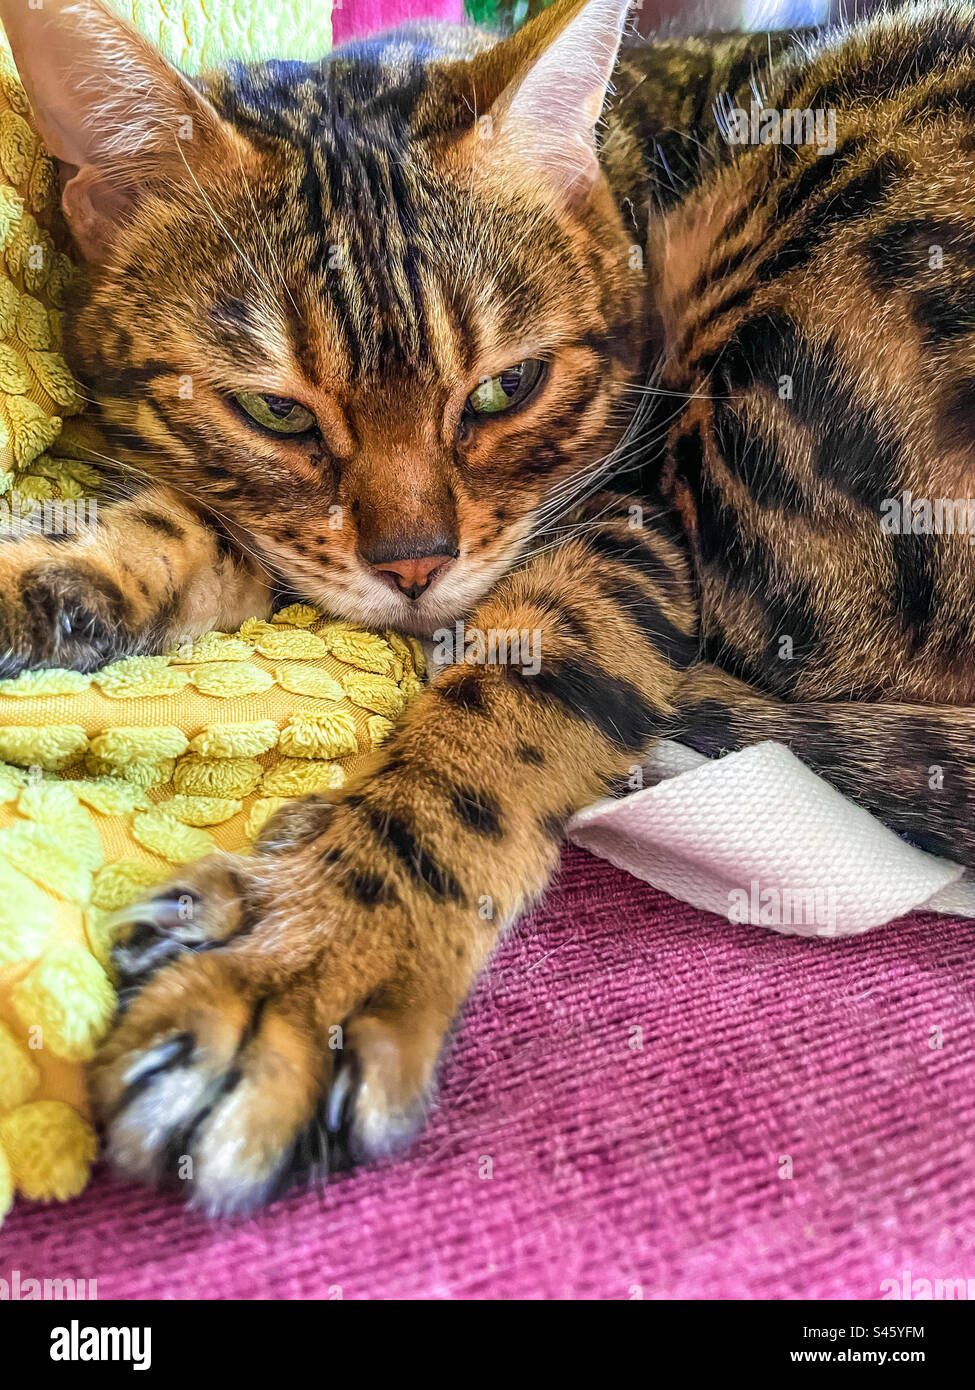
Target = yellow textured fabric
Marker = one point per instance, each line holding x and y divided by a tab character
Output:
37	394
205	33
112	779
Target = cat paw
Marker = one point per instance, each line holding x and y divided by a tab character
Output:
62	615
267	1034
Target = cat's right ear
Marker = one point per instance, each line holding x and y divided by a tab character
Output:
109	108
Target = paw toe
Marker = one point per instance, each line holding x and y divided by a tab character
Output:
380	1093
208	908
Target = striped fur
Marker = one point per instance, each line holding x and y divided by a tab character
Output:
816	269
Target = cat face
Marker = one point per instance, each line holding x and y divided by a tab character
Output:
358	358
377	337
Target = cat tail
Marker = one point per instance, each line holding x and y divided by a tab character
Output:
912	766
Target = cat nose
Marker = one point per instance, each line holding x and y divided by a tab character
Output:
413	574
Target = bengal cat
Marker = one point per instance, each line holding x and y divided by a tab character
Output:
425	282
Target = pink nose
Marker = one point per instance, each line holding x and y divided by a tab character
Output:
413	576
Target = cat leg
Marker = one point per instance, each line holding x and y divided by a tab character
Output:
913	766
136	576
285	1011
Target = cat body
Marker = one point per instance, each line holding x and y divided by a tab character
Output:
417	300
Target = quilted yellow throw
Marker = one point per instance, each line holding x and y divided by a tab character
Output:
108	781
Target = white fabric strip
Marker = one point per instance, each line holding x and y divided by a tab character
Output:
757	837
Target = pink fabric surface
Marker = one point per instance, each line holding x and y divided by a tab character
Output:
617	1168
352	18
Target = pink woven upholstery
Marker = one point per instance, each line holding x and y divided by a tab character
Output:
615	1166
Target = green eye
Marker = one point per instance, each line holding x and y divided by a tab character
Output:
277	413
498	393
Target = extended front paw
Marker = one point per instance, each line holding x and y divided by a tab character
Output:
269	1033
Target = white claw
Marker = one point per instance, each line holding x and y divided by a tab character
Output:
336	1099
157	914
149	1061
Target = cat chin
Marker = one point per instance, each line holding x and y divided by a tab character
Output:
412	619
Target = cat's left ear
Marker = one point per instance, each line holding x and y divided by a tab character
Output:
556	73
110	109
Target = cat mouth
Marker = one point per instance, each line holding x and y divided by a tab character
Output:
362	596
419	615
359	593
413	579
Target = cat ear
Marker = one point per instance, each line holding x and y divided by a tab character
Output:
110	109
545	117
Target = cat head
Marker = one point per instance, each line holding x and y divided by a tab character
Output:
375	313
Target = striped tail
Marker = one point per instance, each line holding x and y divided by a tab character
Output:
912	766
